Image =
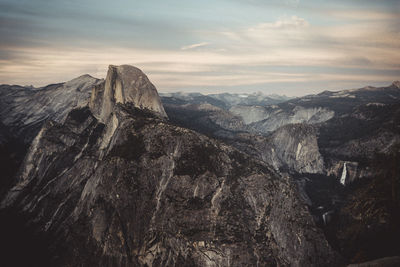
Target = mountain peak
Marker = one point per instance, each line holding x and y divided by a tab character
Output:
126	84
83	82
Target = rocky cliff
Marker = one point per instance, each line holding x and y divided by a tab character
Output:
125	84
294	148
116	184
24	110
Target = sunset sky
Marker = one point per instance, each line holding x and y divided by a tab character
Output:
285	47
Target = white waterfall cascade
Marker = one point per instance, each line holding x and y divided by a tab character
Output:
344	174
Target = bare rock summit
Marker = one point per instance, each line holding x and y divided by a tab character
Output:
125	84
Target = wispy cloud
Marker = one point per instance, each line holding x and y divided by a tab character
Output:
282	23
193	46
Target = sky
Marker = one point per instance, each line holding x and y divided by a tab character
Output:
291	47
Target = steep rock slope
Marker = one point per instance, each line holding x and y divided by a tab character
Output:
153	194
25	108
295	148
292	148
125	84
23	111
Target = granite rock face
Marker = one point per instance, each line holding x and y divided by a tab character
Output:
295	148
125	84
24	110
292	148
149	193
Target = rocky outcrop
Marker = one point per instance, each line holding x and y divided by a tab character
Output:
154	194
24	110
293	148
125	84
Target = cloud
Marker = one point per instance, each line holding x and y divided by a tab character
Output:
283	23
193	46
294	41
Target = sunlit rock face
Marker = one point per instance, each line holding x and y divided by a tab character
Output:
295	148
149	193
24	109
125	84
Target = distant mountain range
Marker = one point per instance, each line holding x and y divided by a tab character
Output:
226	100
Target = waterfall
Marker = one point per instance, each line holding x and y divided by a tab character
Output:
344	174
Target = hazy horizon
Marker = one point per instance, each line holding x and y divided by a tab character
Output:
290	47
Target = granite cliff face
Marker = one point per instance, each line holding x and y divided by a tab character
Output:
294	147
125	84
116	184
24	110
